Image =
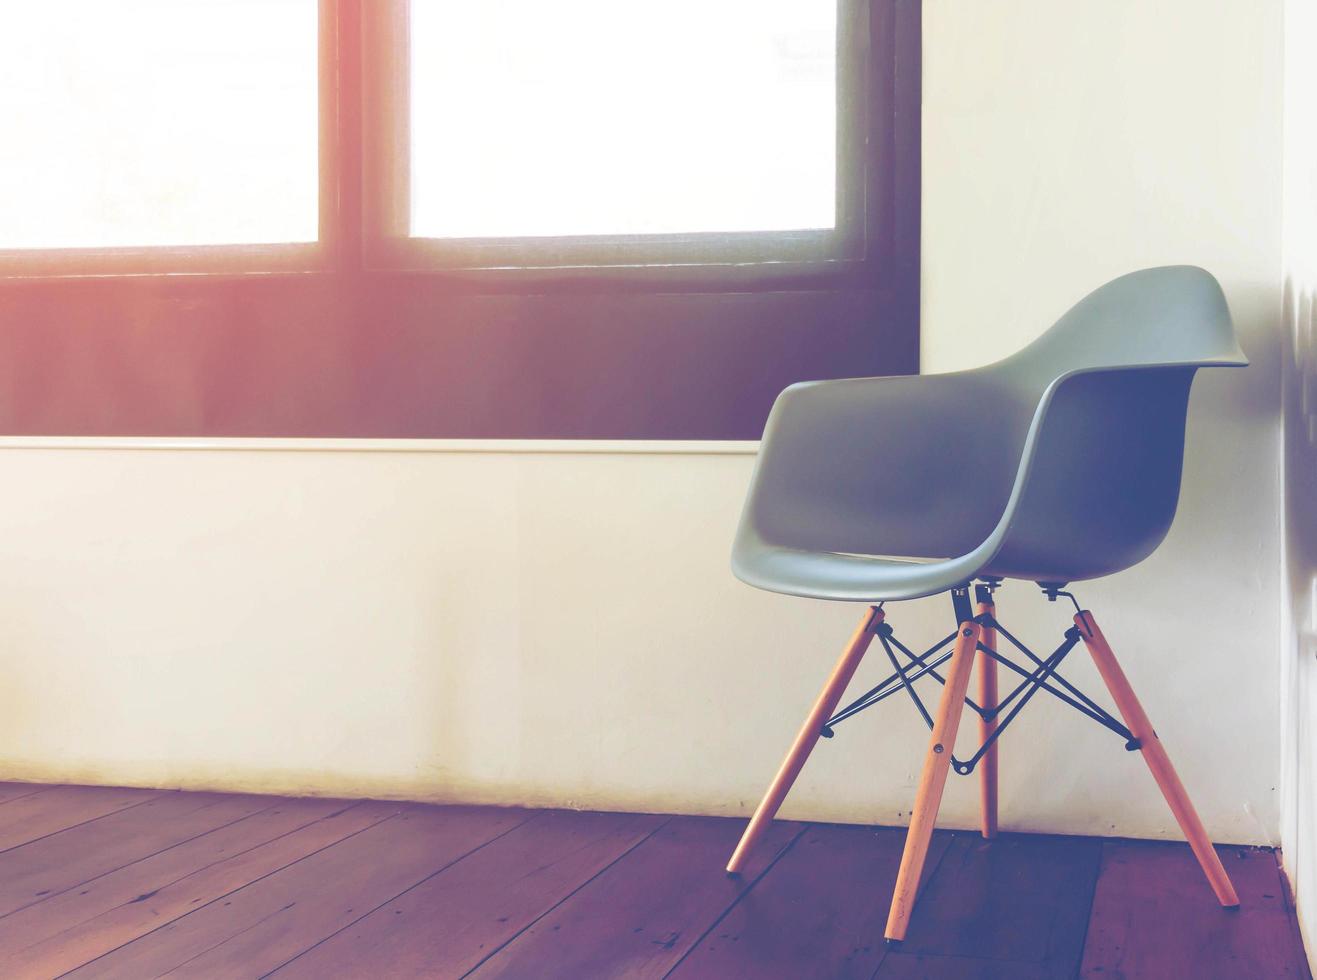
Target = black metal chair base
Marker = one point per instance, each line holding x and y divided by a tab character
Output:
1040	676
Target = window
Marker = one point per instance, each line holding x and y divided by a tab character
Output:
524	219
598	132
599	117
153	123
494	134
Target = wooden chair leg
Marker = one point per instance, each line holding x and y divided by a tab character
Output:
987	698
1157	759
932	780
807	737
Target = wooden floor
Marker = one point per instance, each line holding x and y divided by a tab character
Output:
102	882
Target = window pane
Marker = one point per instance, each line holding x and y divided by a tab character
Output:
599	117
158	122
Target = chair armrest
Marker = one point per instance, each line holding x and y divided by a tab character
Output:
918	466
1100	476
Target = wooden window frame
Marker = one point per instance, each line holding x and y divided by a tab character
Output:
363	192
358	335
228	259
701	256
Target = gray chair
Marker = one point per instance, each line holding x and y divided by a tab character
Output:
1057	464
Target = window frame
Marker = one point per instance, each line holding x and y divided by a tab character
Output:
227	259
363	85
321	341
845	251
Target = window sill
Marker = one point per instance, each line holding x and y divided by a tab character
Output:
673	447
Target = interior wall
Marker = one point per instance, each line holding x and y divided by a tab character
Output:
1066	144
1299	366
561	627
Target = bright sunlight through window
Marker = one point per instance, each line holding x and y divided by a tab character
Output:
610	117
158	122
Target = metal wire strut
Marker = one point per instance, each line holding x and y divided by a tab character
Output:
1040	677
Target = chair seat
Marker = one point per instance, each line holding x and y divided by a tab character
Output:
849	577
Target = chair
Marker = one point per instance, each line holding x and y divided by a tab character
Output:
1057	464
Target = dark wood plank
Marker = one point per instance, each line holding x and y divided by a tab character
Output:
14	791
447	924
927	966
71	857
70	929
1020	898
264	925
642	915
141	882
1154	915
78	925
819	912
31	817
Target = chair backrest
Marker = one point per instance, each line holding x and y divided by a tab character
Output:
1104	481
1171	315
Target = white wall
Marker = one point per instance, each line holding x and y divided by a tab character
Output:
1299	360
1067	143
561	628
534	627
